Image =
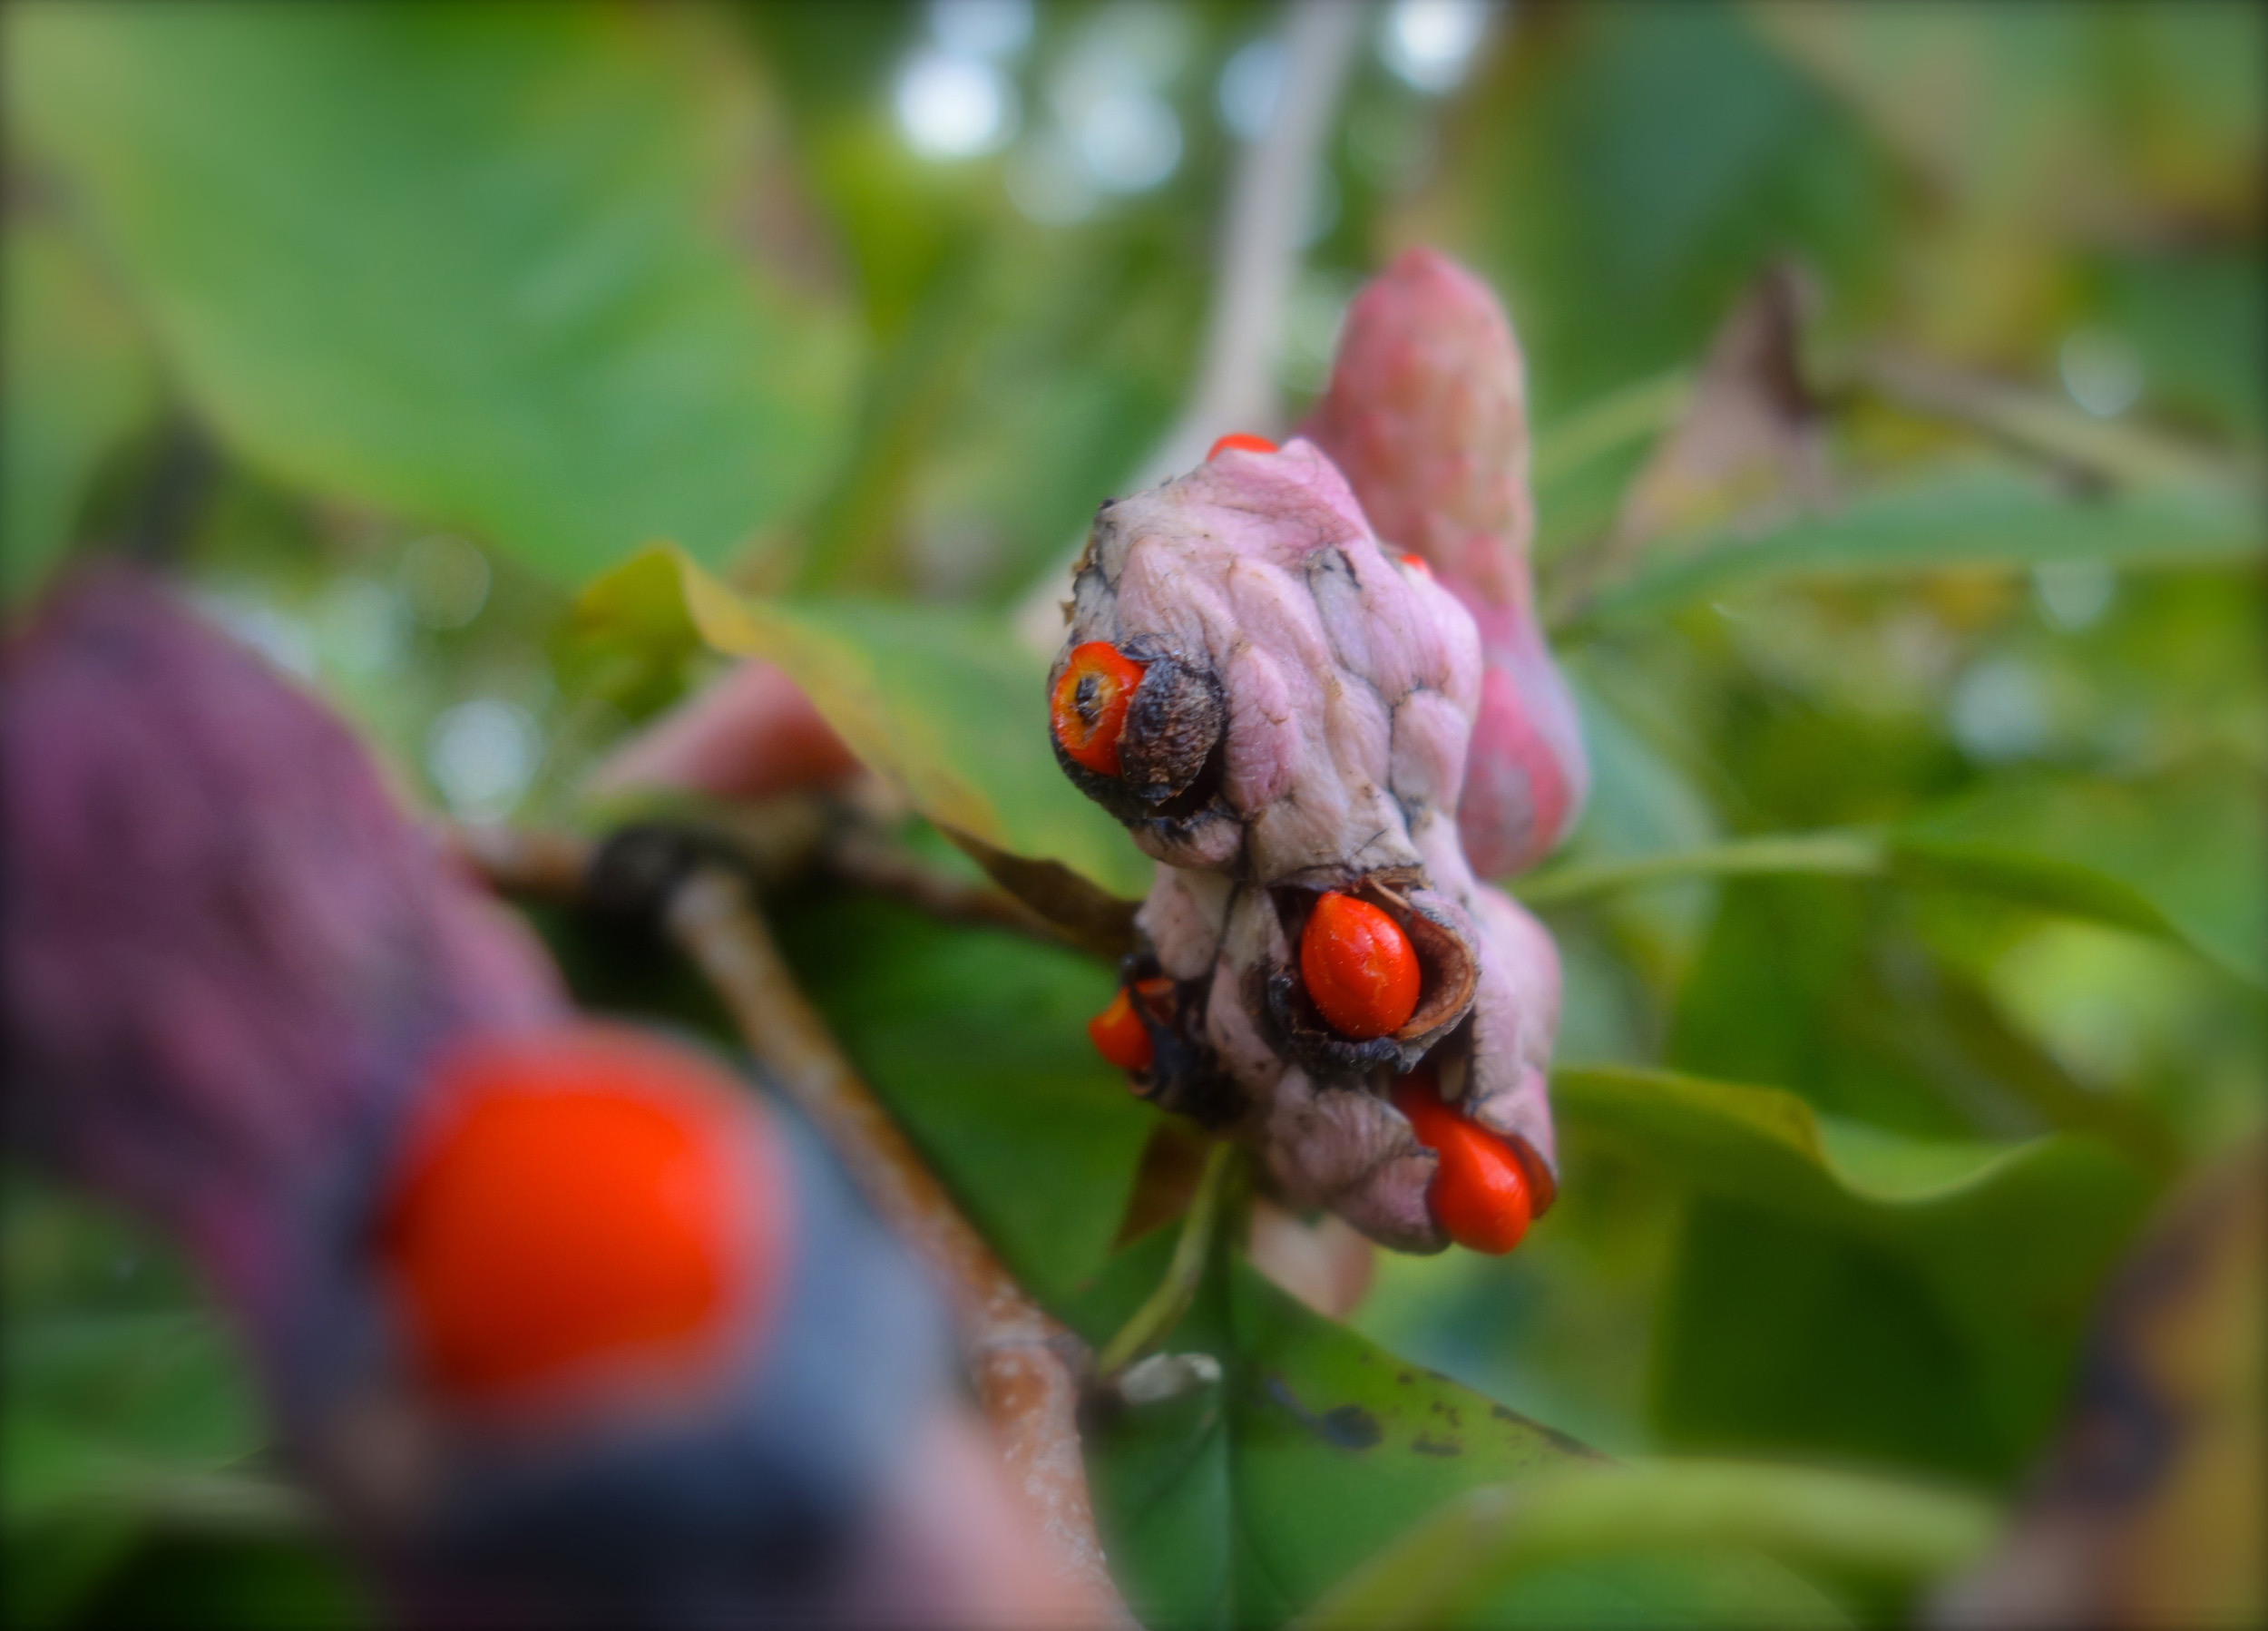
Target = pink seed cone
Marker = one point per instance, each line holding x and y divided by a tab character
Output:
1427	416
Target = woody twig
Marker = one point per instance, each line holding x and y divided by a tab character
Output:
1026	1366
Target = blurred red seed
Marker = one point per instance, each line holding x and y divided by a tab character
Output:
1358	966
1087	711
1244	440
573	1200
1120	1036
1416	563
1479	1194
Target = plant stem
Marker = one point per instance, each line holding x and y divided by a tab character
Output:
1026	1367
1614	421
864	858
1847	854
1026	1364
548	865
2039	424
1163	1309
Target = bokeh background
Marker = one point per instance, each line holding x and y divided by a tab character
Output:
1896	378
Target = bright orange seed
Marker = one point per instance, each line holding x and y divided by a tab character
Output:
1416	563
1479	1194
1244	441
1120	1036
1359	967
570	1200
1087	711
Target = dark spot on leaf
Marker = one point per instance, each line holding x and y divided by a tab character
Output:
1349	1426
1426	1444
1552	1435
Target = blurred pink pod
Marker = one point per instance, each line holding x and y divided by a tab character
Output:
750	734
1426	414
564	1324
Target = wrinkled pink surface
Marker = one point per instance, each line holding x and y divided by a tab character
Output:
227	953
1427	414
1347	674
1352	681
233	966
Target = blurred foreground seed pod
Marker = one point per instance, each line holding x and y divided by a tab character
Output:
567	1327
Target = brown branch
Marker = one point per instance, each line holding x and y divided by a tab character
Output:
864	858
2035	423
547	866
552	866
1026	1366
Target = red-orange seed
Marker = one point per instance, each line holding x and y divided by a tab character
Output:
572	1200
1479	1194
1120	1036
1087	711
1359	967
1244	441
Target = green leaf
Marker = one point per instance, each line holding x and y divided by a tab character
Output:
1660	157
1849	1290
129	1405
976	1039
2046	116
1449	1562
118	1367
1853	853
102	1405
946	704
1242	1502
195	1582
2170	1399
2177	855
78	382
1966	513
474	264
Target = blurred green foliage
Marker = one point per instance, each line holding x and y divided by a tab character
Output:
1914	935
